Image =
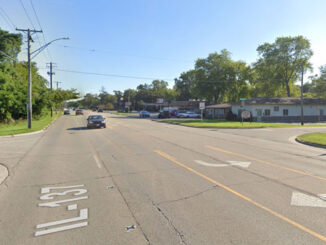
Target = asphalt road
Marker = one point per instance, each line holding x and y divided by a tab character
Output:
144	182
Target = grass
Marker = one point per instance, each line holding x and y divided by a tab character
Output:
314	138
20	126
227	124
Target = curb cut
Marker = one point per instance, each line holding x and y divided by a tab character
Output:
3	173
31	133
310	144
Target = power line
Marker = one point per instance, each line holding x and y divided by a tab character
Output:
30	20
7	19
39	23
124	54
111	75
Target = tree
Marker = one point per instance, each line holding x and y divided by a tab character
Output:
318	85
9	45
281	63
184	85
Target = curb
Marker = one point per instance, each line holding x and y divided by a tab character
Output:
3	173
207	127
310	144
31	133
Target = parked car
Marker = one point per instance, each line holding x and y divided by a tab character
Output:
100	110
144	114
94	109
189	114
66	112
164	114
96	121
79	112
180	113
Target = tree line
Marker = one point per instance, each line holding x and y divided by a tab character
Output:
218	78
14	83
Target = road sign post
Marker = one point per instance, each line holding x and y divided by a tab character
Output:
202	108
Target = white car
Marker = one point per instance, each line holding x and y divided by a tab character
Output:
189	114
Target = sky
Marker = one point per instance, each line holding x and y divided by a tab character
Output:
135	41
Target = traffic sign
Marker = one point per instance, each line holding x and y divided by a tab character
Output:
202	105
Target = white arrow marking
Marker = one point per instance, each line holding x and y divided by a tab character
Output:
231	163
304	200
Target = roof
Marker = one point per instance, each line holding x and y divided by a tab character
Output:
219	106
282	101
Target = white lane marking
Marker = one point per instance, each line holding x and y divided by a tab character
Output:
50	196
240	164
72	207
62	228
83	214
57	203
304	200
97	161
47	189
231	163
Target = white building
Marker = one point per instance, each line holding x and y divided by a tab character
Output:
282	109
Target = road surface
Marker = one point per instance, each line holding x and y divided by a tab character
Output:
143	182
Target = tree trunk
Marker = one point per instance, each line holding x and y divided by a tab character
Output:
288	89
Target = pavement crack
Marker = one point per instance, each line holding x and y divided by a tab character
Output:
190	196
179	233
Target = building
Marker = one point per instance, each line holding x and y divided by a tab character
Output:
218	111
285	109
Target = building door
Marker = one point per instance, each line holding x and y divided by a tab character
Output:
259	114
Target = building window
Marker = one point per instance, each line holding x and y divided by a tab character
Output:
267	112
276	108
285	112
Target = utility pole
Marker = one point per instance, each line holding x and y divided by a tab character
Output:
29	103
51	73
58	84
302	123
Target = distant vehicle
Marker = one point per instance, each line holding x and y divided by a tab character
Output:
189	114
79	112
66	112
94	109
100	110
164	114
96	121
144	114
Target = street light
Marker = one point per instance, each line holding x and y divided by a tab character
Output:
34	53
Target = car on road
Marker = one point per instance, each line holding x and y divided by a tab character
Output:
144	114
66	112
79	112
96	121
100	110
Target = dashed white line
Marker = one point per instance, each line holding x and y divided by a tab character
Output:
97	161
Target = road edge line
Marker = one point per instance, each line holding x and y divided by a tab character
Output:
4	173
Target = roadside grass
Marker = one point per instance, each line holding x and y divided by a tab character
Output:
314	138
227	124
20	126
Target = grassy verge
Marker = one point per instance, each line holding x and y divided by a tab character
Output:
20	127
226	124
314	138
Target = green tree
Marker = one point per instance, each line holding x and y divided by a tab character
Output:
281	63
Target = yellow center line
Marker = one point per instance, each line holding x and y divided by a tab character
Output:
276	214
265	162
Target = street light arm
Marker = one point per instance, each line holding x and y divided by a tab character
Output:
39	50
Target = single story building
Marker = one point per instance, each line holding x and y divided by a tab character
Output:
218	111
286	109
